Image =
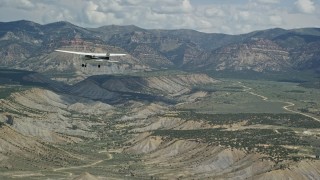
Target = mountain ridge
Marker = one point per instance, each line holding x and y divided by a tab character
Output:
30	46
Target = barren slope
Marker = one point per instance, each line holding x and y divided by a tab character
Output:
148	138
176	158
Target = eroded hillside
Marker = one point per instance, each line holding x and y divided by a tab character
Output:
156	126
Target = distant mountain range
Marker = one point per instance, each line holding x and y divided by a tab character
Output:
30	46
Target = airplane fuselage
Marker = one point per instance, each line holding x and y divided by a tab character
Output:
89	57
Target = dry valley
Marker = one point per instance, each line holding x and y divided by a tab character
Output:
166	125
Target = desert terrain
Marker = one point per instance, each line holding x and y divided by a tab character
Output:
158	126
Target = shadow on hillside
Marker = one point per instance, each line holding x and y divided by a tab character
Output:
123	89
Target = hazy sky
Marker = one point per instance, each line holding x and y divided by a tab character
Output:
222	16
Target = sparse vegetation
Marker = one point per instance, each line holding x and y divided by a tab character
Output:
277	136
264	141
9	120
7	90
286	120
295	91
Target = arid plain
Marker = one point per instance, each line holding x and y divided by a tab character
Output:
160	126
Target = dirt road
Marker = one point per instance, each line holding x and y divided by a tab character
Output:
286	107
110	156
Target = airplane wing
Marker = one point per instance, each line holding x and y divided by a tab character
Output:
90	54
102	60
97	57
113	54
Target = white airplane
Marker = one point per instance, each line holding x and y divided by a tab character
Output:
100	57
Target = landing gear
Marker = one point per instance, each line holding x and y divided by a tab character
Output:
85	65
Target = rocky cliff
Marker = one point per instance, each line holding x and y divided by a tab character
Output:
30	46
